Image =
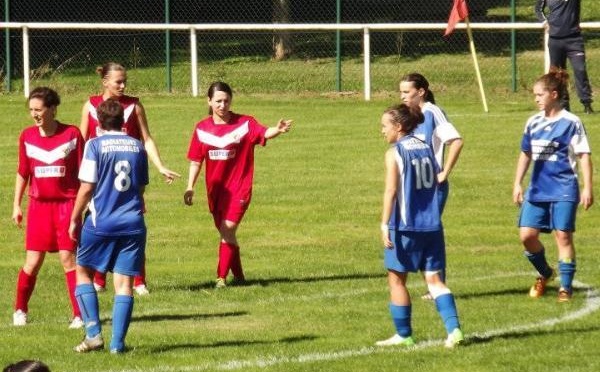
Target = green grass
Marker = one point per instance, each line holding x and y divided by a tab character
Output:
317	298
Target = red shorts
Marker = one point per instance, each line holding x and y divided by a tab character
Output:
230	211
48	225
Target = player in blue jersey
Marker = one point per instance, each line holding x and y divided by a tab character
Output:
410	225
113	175
553	141
436	130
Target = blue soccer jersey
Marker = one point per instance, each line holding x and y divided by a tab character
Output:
416	207
435	130
554	144
118	165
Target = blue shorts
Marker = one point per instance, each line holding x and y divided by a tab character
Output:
118	254
416	251
548	216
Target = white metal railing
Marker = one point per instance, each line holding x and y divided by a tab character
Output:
194	28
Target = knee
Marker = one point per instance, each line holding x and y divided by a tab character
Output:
33	266
528	238
67	261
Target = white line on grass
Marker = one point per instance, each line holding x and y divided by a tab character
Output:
592	304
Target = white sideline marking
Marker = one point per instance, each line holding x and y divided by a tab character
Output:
592	304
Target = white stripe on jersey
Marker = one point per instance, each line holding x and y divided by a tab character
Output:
235	136
50	156
127	111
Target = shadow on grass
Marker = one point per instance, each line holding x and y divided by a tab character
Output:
482	339
281	280
520	291
236	343
161	317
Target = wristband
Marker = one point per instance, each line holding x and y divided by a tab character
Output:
384	227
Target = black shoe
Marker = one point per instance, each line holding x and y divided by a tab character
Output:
587	108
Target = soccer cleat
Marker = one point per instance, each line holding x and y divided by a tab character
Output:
454	339
539	287
396	340
427	297
19	318
141	290
76	323
220	283
587	108
90	344
99	288
564	295
117	351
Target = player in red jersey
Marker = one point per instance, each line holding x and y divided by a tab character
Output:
114	81
49	157
225	142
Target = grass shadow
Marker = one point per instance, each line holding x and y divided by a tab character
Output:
166	317
482	339
280	280
236	343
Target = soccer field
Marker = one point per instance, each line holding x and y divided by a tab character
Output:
317	293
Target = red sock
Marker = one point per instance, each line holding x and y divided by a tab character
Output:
25	286
225	255
236	263
100	279
141	279
71	279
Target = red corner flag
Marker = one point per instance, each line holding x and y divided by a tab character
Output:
458	13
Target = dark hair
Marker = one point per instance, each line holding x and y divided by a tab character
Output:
420	82
108	67
27	366
218	86
557	79
110	115
46	95
406	116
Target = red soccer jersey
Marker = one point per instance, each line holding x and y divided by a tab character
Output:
228	152
131	126
51	164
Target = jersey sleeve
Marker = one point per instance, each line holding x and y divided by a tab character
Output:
579	141
23	168
89	169
444	130
257	132
526	139
195	152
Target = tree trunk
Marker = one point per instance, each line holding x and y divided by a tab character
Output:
282	41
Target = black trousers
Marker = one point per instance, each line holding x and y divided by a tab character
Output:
572	48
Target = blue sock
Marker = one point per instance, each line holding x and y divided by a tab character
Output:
447	308
401	317
538	260
87	299
122	310
566	268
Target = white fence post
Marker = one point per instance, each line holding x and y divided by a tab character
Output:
367	59
194	61
26	67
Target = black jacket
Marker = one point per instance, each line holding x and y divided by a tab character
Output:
562	16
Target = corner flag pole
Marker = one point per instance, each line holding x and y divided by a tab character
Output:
474	55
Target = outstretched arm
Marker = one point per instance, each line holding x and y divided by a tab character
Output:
283	126
151	147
